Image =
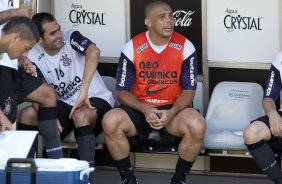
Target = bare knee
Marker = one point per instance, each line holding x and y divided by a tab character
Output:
109	122
28	116
198	132
249	135
80	118
256	132
197	127
193	132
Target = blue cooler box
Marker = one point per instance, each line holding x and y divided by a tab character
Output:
45	171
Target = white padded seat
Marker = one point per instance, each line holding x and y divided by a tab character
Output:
232	106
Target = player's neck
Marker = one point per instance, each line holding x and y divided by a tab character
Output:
50	52
158	40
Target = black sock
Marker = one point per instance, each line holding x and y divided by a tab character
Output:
183	168
21	126
265	159
125	169
85	139
47	125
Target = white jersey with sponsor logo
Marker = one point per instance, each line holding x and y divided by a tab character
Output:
4	58
64	71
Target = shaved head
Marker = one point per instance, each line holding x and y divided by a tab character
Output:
159	21
24	26
152	5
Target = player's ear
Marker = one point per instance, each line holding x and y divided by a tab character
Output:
40	39
14	37
148	22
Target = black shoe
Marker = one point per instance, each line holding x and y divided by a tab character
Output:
127	181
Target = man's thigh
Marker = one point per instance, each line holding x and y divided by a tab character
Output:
184	121
102	106
274	142
28	84
63	111
9	91
138	120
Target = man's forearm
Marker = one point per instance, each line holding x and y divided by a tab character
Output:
127	98
91	63
183	101
7	15
268	105
12	13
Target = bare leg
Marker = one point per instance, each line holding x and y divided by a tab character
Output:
189	125
255	137
117	127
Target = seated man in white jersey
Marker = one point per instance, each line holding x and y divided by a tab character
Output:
264	135
156	84
68	62
18	36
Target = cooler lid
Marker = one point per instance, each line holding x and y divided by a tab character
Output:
15	144
63	164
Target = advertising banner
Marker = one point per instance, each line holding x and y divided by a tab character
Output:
242	30
187	21
104	22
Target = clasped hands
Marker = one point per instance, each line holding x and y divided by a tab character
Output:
158	119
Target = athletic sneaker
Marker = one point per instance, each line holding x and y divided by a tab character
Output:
126	181
178	182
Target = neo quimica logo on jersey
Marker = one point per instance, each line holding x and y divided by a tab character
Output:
66	90
79	15
151	72
234	20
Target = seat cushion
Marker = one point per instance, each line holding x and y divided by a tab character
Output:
225	140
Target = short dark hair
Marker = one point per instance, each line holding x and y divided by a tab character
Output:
40	18
152	5
24	26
